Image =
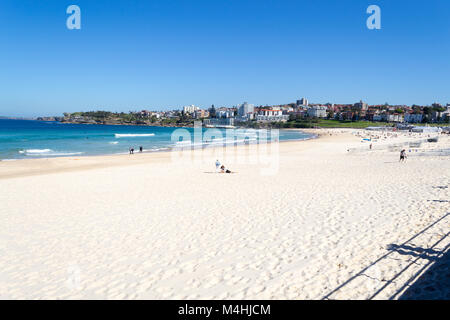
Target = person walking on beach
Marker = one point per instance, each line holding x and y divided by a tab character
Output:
131	150
140	149
402	155
217	165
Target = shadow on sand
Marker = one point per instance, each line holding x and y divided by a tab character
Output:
434	284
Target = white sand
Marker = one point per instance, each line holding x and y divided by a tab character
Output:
144	226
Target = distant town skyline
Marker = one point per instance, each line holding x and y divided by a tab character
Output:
162	55
205	107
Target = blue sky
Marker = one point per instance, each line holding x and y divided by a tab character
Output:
162	54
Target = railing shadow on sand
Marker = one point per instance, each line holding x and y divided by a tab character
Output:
433	284
434	256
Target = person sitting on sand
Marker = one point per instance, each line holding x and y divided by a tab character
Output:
223	170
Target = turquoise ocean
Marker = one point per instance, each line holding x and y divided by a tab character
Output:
28	139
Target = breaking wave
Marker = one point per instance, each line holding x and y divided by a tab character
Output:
36	151
131	135
47	152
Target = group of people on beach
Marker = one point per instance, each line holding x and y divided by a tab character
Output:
132	149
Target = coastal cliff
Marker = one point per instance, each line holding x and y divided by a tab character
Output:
111	118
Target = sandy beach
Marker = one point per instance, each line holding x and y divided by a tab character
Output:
331	219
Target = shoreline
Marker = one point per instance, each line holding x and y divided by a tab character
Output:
162	149
11	168
320	137
37	166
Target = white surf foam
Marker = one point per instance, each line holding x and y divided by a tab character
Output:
158	149
47	153
63	154
36	151
131	135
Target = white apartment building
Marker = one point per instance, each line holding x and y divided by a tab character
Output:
190	109
380	117
317	112
225	114
413	118
271	115
245	109
302	102
394	118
